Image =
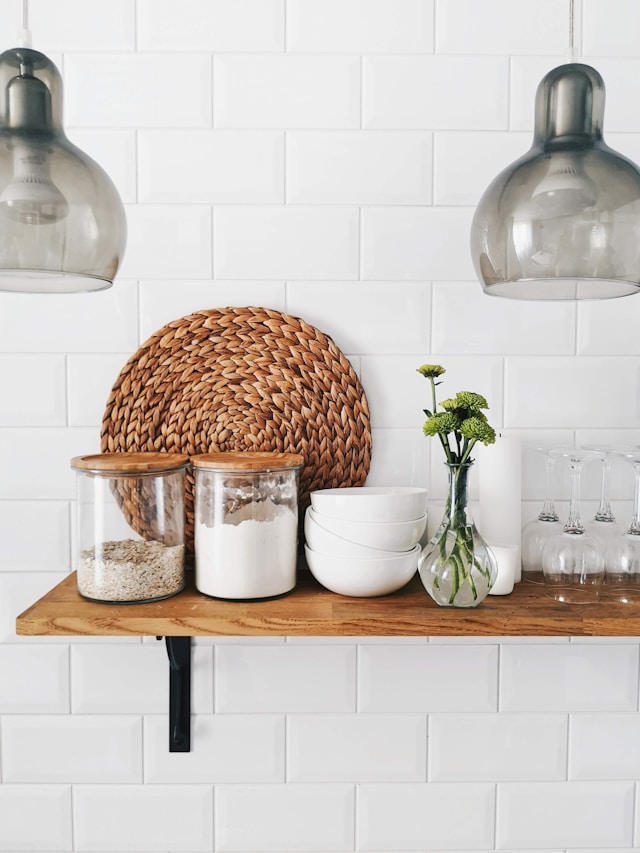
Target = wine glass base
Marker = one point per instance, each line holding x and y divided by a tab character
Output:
625	590
574	593
536	577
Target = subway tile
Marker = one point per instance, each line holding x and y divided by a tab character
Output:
566	392
502	26
18	590
466	163
416	243
467	321
34	392
526	72
359	167
91	378
427	678
609	29
35	817
34	678
137	90
286	242
211	25
227	748
73	322
284	817
168	241
604	746
33	469
399	457
374	316
414	817
398	394
435	92
360	26
622	88
49	551
115	152
289	678
574	814
287	92
211	166
356	748
75	25
132	679
145	818
164	301
569	678
497	747
71	749
609	327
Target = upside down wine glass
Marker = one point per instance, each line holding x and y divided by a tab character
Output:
573	561
622	555
536	532
603	525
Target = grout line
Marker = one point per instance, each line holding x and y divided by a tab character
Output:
286	748
567	750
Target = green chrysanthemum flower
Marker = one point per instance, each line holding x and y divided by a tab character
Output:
470	400
477	429
441	423
431	371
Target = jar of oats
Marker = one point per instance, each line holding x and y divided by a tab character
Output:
130	542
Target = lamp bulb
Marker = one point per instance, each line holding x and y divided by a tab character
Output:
31	197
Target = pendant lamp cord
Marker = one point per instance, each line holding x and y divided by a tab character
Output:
24	34
572	28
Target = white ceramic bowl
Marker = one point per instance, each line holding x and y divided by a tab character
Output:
381	535
318	538
371	503
363	577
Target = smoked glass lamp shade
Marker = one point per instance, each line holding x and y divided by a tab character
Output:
62	224
563	221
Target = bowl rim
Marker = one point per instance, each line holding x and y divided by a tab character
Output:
313	515
417	548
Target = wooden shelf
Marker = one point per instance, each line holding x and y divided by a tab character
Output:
313	611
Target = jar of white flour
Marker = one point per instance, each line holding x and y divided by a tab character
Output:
246	523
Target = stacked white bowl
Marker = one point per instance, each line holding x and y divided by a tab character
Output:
364	541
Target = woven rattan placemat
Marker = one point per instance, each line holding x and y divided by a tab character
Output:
243	379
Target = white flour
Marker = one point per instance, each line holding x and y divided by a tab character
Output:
251	555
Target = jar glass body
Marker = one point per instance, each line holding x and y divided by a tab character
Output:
246	532
457	568
130	535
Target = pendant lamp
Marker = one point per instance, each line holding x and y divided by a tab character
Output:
563	221
62	223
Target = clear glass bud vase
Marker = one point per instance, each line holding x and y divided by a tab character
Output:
457	568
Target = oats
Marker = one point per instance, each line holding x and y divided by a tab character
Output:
131	570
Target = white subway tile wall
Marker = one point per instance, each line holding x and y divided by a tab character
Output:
323	158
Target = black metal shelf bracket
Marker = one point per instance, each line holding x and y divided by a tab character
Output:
179	652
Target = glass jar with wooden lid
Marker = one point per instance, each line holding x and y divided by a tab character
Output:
130	526
246	523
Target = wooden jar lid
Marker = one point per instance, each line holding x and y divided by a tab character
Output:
130	463
247	461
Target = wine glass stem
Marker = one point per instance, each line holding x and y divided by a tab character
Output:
573	524
548	512
604	513
634	528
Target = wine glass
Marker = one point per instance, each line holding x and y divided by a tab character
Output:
536	532
603	525
622	554
573	561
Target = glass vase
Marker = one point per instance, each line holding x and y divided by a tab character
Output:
456	567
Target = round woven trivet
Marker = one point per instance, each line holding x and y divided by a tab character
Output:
243	379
